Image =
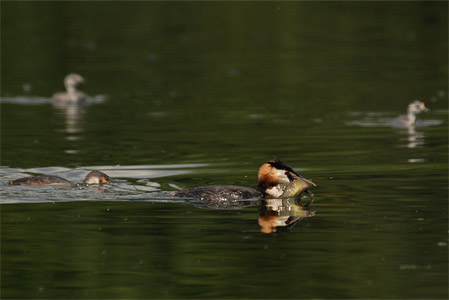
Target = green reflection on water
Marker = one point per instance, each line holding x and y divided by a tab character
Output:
230	85
134	250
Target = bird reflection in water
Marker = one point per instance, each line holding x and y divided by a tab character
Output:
275	215
414	138
281	215
73	114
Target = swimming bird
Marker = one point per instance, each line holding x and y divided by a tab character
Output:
409	120
71	81
275	180
94	177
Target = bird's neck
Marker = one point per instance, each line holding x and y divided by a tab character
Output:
71	91
411	117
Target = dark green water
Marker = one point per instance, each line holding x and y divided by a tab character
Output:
198	93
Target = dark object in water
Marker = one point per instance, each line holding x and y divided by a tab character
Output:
41	180
94	177
275	180
219	192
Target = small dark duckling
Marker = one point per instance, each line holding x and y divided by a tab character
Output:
275	180
409	120
72	95
94	177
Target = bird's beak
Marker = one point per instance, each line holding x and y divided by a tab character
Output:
106	180
294	177
424	108
81	80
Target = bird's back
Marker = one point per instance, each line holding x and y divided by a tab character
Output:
219	193
41	180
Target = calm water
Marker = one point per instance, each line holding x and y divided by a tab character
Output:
185	94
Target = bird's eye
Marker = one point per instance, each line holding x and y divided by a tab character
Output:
289	176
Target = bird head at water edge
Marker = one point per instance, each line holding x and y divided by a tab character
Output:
276	179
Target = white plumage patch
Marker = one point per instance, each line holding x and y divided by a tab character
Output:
275	191
281	177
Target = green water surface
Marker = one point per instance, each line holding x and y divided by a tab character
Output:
210	91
